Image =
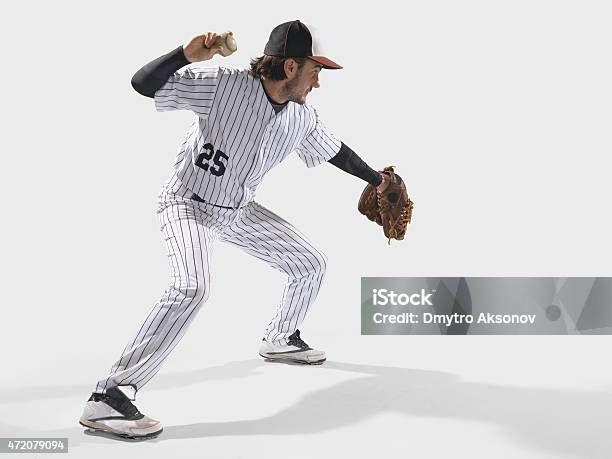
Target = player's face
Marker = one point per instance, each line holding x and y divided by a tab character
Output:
306	78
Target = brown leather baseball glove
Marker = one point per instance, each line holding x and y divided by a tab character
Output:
390	208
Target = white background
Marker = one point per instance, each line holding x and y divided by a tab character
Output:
496	114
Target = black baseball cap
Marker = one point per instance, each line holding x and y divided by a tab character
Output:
293	39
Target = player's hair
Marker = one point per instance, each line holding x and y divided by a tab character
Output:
272	67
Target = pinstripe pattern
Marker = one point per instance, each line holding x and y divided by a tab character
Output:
268	237
189	229
234	122
234	116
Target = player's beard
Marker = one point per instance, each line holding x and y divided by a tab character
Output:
292	92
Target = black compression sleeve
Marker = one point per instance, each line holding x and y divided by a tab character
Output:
153	75
348	161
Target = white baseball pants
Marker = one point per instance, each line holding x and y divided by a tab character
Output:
190	229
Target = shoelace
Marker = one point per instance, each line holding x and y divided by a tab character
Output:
295	340
117	400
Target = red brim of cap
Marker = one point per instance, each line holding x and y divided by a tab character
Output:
325	62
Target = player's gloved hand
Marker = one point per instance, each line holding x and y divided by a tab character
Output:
388	204
382	186
202	48
368	203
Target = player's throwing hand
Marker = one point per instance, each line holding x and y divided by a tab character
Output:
202	47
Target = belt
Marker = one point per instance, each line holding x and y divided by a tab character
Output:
195	197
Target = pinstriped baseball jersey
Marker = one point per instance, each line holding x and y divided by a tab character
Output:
236	136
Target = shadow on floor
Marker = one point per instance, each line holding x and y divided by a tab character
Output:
559	422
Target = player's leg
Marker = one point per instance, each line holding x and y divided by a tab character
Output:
189	248
263	234
189	245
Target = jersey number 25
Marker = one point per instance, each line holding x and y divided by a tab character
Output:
203	158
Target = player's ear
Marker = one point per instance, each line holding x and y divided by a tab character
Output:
291	68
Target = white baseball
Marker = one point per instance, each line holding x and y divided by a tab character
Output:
227	42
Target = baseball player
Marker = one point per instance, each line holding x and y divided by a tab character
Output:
245	123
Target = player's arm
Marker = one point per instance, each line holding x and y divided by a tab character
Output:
154	75
322	146
348	161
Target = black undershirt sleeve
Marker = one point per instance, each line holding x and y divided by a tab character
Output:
155	74
348	161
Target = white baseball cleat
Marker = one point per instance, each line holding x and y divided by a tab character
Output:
296	350
113	412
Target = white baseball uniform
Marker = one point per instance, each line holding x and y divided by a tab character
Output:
235	139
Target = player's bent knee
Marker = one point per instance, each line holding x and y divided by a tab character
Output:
193	291
317	263
200	293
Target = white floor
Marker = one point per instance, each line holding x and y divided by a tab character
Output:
477	397
497	115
